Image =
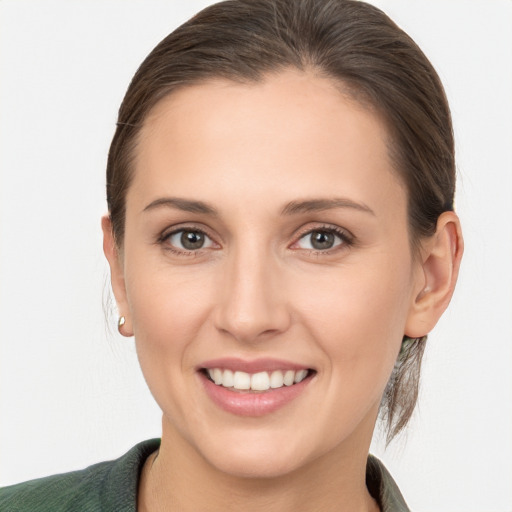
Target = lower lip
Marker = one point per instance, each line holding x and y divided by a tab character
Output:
249	403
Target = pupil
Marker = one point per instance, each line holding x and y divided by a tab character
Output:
192	240
322	240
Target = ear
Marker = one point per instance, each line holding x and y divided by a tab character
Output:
115	262
440	261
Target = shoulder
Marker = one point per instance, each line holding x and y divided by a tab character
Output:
105	486
383	488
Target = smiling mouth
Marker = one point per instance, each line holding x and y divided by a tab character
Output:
256	382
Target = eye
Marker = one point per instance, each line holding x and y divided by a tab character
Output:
321	240
189	240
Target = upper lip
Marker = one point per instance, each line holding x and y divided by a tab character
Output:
254	366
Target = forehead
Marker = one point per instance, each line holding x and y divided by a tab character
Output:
293	129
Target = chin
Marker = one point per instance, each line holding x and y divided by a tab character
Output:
256	465
260	455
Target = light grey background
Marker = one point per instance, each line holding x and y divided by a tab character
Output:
71	394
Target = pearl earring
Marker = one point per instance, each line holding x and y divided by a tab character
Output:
120	323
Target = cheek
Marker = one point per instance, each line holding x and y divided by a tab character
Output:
353	303
168	308
358	320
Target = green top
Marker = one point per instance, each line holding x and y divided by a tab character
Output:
112	487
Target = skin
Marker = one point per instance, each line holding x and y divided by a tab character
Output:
257	288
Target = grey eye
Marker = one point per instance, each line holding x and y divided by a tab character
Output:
322	240
190	240
319	240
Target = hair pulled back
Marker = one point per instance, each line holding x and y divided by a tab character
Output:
354	44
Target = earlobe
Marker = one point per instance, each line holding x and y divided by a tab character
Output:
111	251
441	258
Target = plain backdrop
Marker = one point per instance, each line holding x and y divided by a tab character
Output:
71	393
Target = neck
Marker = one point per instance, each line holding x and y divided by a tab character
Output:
179	478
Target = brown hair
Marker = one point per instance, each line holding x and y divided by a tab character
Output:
351	42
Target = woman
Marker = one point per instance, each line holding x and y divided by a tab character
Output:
281	239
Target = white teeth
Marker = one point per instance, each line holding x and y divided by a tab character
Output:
300	376
261	381
228	380
276	380
289	376
242	380
217	376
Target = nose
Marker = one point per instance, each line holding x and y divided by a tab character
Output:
252	304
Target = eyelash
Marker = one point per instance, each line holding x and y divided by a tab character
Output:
347	239
163	240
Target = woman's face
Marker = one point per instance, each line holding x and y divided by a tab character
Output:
266	241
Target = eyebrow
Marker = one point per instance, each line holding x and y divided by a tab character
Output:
316	205
186	205
292	208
